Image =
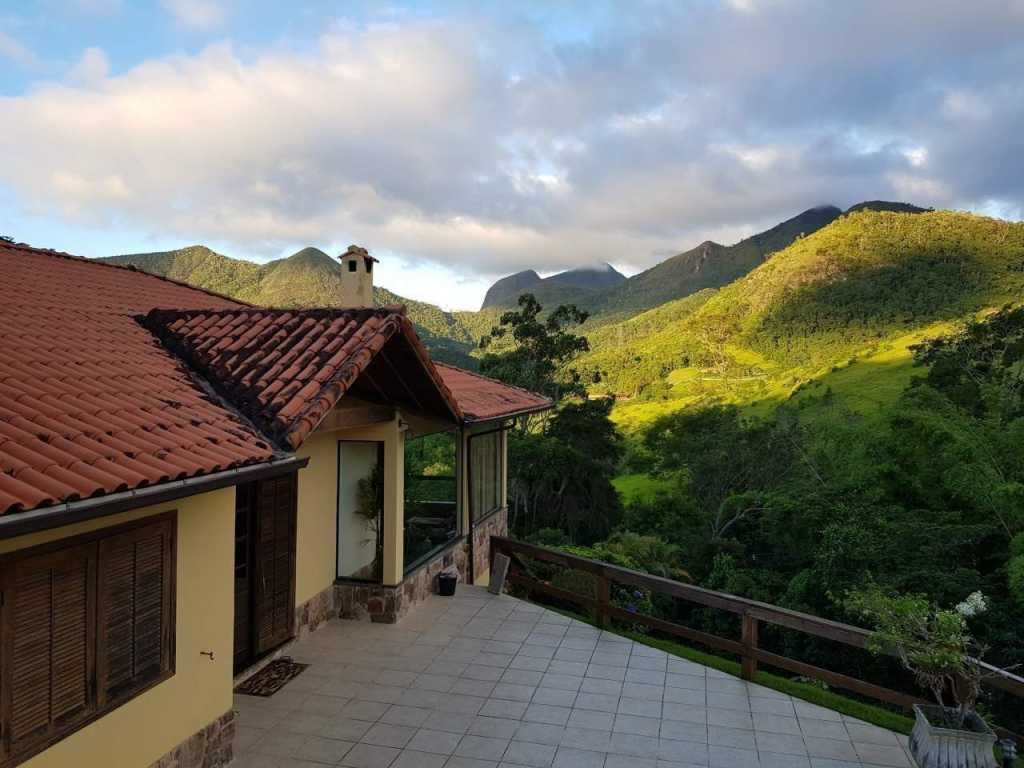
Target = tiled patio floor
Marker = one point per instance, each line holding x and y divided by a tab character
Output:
478	681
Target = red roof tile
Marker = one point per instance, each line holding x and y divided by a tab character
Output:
90	403
285	369
485	399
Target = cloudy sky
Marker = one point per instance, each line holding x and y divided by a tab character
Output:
462	141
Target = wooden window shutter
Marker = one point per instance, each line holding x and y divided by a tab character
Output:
135	634
48	620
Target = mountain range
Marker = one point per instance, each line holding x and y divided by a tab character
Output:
709	265
775	316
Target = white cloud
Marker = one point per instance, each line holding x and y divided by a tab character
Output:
910	187
92	68
755	158
197	14
916	156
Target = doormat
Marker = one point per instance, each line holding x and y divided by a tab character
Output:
271	678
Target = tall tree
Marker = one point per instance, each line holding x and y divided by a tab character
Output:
542	349
561	465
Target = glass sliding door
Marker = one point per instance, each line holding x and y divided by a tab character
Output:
485	465
431	496
360	509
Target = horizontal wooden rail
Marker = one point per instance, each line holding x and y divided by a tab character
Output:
751	612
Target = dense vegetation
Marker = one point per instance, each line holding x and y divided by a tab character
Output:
864	284
799	509
903	468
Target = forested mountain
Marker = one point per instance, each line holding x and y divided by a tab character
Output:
641	335
307	278
854	289
709	265
580	285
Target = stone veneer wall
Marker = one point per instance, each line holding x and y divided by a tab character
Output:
389	604
495	525
315	612
209	748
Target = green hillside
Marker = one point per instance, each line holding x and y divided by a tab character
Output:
710	265
862	289
609	297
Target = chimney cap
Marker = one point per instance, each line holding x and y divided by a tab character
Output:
356	250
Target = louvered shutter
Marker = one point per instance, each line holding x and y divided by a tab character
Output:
49	613
135	610
275	561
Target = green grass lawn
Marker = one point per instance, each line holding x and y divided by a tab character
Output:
638	487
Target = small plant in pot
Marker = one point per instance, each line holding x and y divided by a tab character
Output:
936	646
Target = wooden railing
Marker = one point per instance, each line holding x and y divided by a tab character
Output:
752	613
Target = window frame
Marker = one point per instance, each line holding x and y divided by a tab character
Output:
378	578
475	520
460	533
98	708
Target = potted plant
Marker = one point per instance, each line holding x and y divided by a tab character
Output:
936	646
370	506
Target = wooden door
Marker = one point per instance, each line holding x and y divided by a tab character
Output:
274	562
244	518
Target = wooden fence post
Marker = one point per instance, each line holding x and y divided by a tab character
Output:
604	596
749	640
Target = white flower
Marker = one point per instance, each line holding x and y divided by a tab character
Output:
973	605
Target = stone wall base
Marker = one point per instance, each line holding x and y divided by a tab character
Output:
315	612
209	748
389	604
495	525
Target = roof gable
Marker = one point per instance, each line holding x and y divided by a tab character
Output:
285	369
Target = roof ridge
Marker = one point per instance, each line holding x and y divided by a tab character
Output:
383	311
490	378
127	267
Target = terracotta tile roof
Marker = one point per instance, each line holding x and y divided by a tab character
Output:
285	369
90	403
484	399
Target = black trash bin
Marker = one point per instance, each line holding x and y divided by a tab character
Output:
446	581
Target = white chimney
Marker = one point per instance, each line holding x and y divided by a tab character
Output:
356	277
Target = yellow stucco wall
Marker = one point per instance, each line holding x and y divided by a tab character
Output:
317	534
148	726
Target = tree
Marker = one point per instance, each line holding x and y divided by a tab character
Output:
542	349
561	477
561	465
